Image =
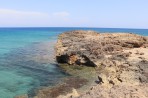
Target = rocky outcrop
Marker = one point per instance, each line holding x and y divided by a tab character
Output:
89	47
112	53
120	60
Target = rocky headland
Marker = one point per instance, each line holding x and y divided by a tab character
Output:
120	61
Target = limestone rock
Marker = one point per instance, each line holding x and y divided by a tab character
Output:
89	47
121	61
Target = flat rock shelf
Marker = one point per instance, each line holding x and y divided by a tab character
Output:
120	61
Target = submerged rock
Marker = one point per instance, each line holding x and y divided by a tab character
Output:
60	91
23	96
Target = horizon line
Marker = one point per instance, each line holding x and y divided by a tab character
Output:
70	27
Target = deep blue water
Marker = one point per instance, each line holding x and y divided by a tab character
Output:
25	61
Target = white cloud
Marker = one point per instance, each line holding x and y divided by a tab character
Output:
10	17
22	18
23	13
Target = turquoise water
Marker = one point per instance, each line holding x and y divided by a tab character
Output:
11	38
26	58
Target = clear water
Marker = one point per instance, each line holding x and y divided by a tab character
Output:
26	62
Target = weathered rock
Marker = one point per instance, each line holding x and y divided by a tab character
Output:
118	91
126	77
88	47
121	60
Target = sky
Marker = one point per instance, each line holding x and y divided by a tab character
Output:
74	13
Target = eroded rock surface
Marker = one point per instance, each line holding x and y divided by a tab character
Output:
118	91
89	47
120	59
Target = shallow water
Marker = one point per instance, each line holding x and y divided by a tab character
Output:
26	58
25	69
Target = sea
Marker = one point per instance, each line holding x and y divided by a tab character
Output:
26	58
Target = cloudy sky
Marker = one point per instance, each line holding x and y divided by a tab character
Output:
74	13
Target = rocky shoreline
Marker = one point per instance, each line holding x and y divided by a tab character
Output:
100	65
120	61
